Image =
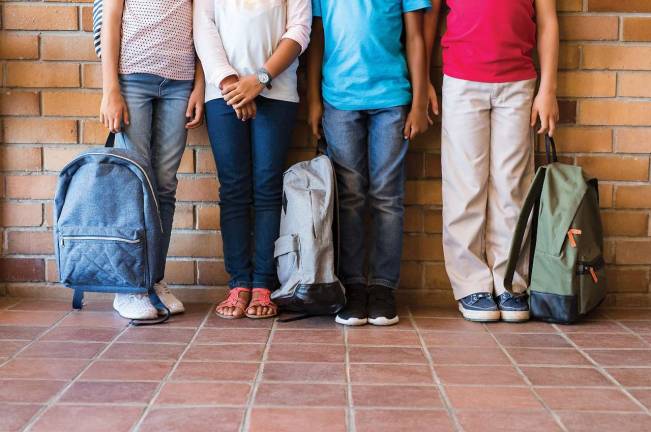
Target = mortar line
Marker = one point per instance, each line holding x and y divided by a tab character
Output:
447	405
350	411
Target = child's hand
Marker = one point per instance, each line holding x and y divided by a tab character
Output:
417	123
432	103
247	111
194	112
545	106
314	115
113	111
242	92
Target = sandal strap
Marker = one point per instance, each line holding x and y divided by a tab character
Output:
262	298
234	300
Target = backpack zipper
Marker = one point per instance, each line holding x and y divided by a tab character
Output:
570	235
590	267
100	238
149	183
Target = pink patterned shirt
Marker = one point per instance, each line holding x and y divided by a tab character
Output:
157	38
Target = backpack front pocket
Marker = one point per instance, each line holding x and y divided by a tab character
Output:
101	256
592	283
286	254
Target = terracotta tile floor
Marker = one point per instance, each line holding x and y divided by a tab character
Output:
88	371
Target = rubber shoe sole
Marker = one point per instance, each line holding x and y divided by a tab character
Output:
133	316
383	321
480	316
515	316
351	321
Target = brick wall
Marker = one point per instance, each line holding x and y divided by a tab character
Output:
50	99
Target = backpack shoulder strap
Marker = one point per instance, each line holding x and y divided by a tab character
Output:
531	202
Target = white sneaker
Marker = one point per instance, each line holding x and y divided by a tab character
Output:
173	304
134	306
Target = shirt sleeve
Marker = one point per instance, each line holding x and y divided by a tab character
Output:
299	22
414	5
208	43
316	8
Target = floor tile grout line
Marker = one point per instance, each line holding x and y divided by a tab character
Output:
526	379
246	419
631	332
53	400
447	404
350	411
606	374
165	379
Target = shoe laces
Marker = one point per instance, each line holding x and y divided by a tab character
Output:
474	298
163	288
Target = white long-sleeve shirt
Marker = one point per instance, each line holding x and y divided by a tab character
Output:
236	37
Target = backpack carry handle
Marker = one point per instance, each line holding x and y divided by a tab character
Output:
531	202
110	140
550	149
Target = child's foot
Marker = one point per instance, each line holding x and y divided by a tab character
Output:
261	305
513	308
479	307
235	304
354	313
169	300
382	309
134	306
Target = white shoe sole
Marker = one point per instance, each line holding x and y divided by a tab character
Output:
515	316
480	316
351	321
383	321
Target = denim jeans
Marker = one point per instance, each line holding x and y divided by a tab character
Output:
368	151
156	130
250	158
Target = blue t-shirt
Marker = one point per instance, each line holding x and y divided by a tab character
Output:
364	64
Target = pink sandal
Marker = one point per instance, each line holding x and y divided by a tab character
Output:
234	300
261	297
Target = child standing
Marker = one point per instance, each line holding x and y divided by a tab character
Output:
152	94
359	76
487	141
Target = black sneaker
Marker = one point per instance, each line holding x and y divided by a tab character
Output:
382	306
479	307
513	308
354	313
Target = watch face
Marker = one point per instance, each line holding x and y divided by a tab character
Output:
263	77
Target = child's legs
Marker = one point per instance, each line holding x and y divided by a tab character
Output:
511	168
346	133
465	171
139	92
387	149
167	145
271	135
231	146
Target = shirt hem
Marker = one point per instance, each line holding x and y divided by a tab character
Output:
493	79
180	77
353	107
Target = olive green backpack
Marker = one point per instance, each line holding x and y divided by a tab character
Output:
567	274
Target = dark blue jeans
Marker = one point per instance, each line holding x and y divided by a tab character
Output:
368	151
250	158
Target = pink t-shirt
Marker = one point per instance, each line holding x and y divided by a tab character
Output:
157	38
489	40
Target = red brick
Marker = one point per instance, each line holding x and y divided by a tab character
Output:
423	192
19	103
197	189
594	27
633	252
19	16
433	221
413	219
58	103
569	5
616	57
208	217
619	6
68	47
31	186
184	217
433	165
22	270
633	140
581	139
627	279
614	112
198	136
15	158
422	248
635	84
212	273
605	195
187	162
43	75
87	19
93	132
55	158
582	84
18	46
569	57
179	272
615	167
633	197
206	162
91	75
13	214
195	245
29	242
39	131
625	223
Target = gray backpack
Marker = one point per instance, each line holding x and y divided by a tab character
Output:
305	251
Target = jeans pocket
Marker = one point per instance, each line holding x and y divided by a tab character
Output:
102	257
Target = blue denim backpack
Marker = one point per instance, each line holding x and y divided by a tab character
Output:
107	227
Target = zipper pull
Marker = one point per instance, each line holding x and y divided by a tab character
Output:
570	235
63	242
593	274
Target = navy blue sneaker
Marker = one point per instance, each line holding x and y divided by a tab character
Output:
479	307
513	308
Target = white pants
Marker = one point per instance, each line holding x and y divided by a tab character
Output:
487	161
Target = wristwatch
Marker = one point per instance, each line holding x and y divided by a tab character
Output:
264	77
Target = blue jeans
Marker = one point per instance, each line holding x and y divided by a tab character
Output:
156	130
368	151
250	158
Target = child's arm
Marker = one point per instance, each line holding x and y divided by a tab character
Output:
430	24
415	46
194	112
314	65
113	110
293	42
545	105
